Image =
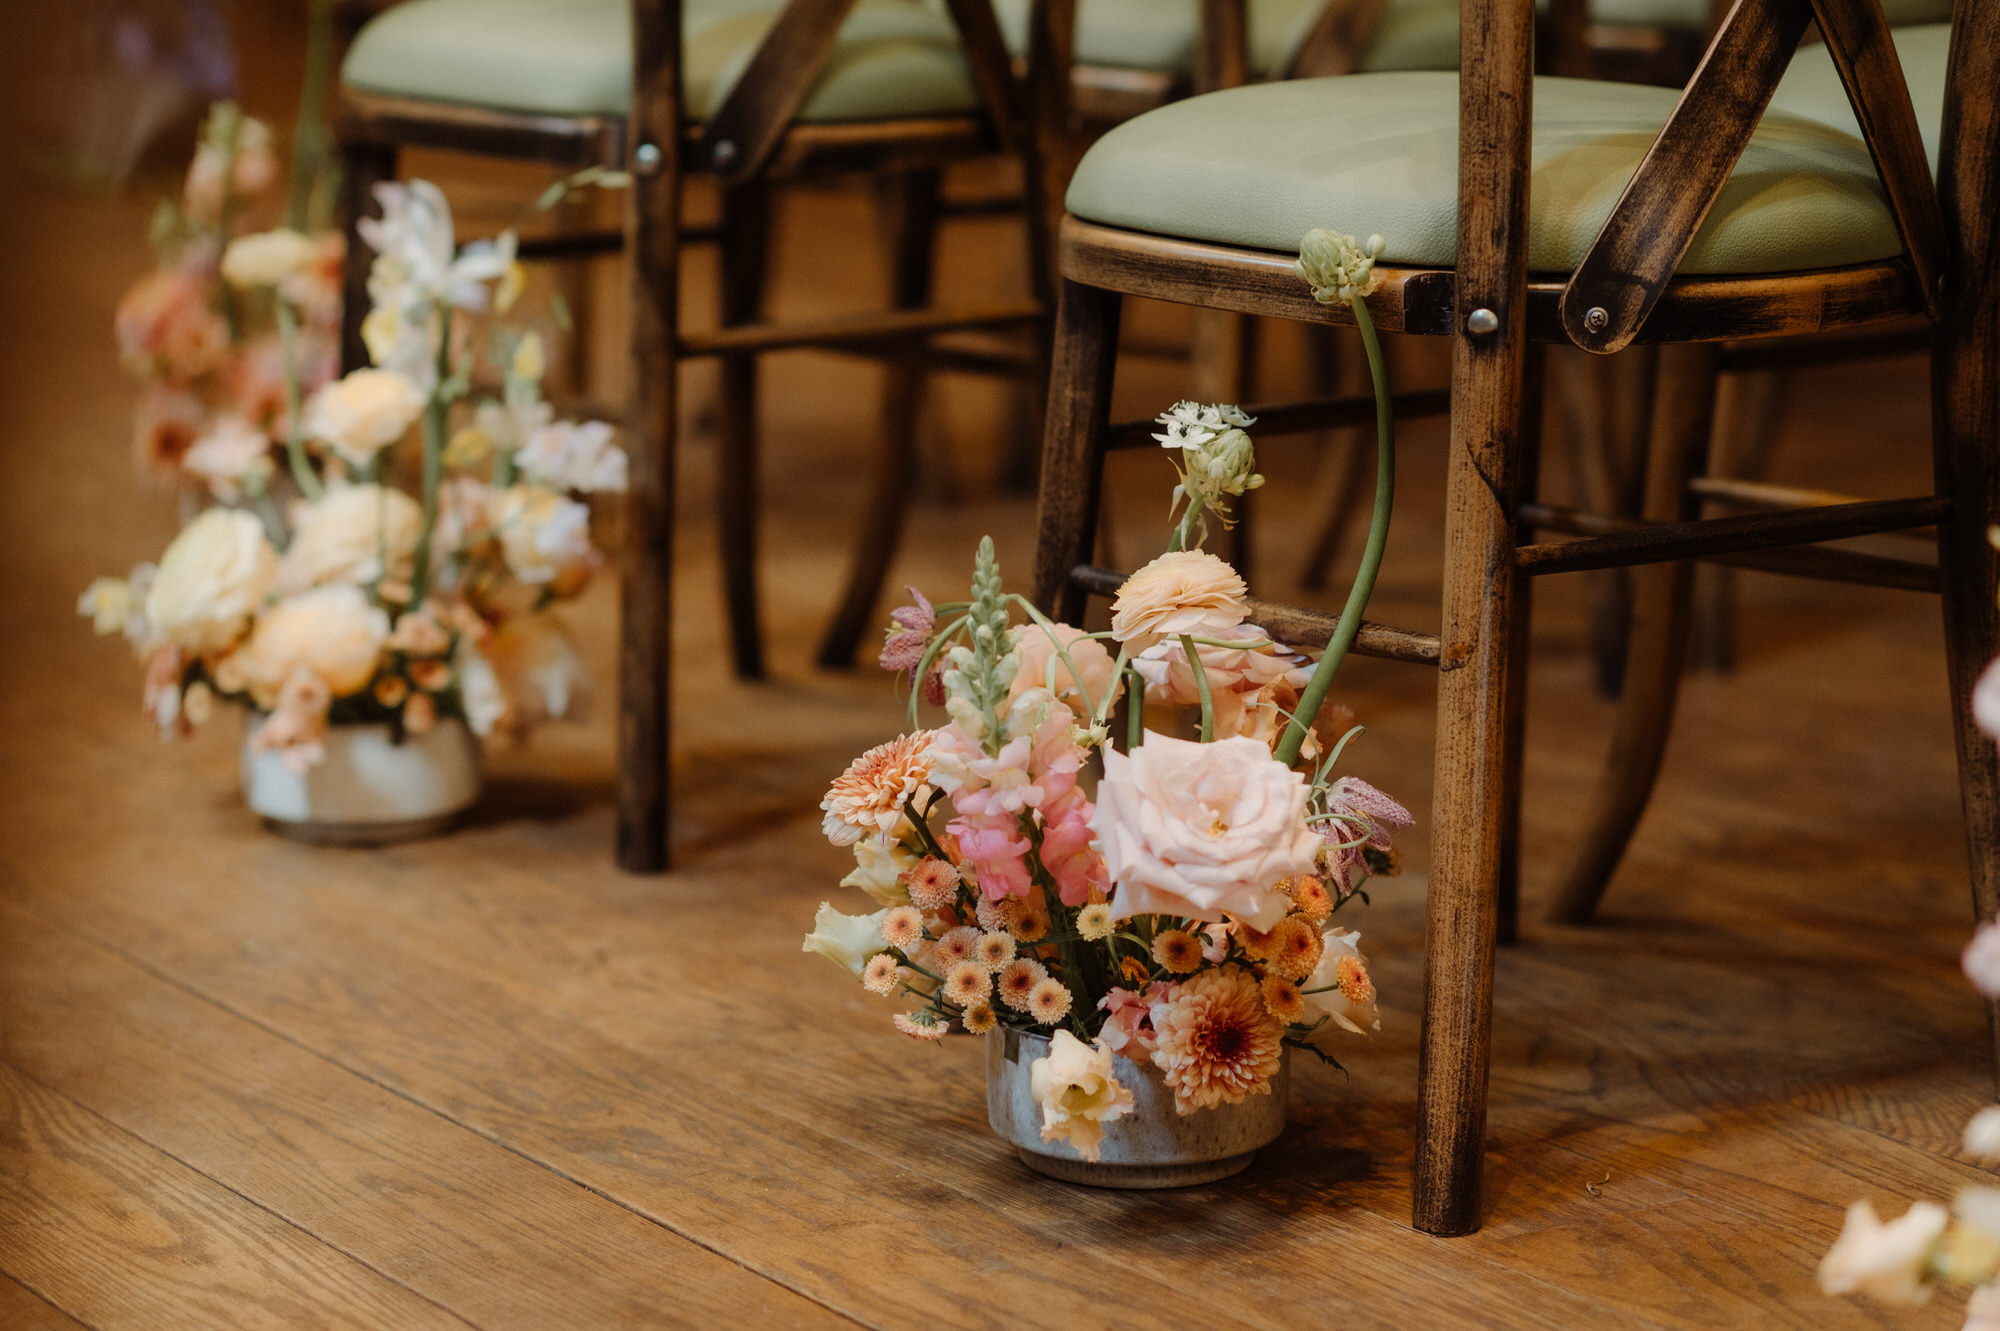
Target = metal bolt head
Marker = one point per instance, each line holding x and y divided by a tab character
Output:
723	153
1481	322
1596	318
646	157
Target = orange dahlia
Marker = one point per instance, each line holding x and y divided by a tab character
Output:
1215	1041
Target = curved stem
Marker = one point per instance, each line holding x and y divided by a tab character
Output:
434	422
1201	688
1371	555
295	434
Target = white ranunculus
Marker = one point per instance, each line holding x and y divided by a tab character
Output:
1884	1261
542	533
1204	831
364	412
574	455
265	259
357	534
877	865
846	940
479	692
417	259
332	633
1347	992
1078	1093
210	581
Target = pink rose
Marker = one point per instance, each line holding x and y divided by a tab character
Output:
1204	831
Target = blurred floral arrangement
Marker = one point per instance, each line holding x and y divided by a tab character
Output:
311	587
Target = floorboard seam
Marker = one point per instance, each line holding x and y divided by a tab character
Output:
74	1317
199	1172
433	1110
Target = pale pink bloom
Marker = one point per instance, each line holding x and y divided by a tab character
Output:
166	327
1982	1310
1068	851
162	690
1981	959
1886	1262
1042	667
993	847
574	455
296	727
1128	1031
232	456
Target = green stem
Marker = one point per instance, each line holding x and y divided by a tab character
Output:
295	432
309	131
434	414
1200	688
1135	708
1371	555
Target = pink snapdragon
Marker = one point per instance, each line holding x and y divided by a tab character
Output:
993	846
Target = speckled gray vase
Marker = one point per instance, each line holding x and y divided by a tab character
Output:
1151	1147
371	789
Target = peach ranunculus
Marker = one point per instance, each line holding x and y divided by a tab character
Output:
1202	831
210	581
363	413
266	258
1187	591
1254	688
1078	1093
356	534
333	633
1041	667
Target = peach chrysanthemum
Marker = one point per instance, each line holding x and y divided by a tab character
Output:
1177	951
994	950
1049	1001
1355	986
923	1026
1031	922
1295	948
957	945
881	974
933	883
1314	902
867	799
1256	946
902	927
979	1018
1283	999
1214	1040
967	983
999	914
1018	979
1094	922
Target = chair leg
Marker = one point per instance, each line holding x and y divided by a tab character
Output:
1608	401
1656	659
1747	409
912	204
1079	415
362	167
1965	415
1514	728
645	657
746	252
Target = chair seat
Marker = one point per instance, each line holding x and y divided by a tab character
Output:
1812	87
1161	34
1378	153
894	59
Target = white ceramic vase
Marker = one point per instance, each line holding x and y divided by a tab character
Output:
370	789
1151	1147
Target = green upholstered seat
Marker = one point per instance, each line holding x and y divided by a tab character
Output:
1378	153
1161	34
895	58
1812	88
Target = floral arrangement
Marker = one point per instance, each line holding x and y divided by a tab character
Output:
314	590
1179	914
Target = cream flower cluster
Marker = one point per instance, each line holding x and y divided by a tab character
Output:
1338	267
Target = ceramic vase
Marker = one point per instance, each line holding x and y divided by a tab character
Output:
372	788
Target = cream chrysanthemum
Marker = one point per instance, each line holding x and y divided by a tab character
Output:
1049	1001
1187	591
967	983
1093	922
957	945
1293	948
867	799
1177	950
933	883
923	1026
979	1018
902	927
995	949
1018	979
881	974
1214	1040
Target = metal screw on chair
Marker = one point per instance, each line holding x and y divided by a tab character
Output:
1481	322
1596	318
723	153
647	158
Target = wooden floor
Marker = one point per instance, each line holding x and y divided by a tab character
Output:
489	1081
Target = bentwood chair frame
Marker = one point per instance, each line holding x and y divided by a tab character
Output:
1623	291
751	142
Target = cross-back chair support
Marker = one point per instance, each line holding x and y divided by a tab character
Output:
1622	292
751	142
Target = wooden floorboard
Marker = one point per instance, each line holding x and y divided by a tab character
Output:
22	1309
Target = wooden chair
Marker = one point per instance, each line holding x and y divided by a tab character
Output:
756	95
1609	225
